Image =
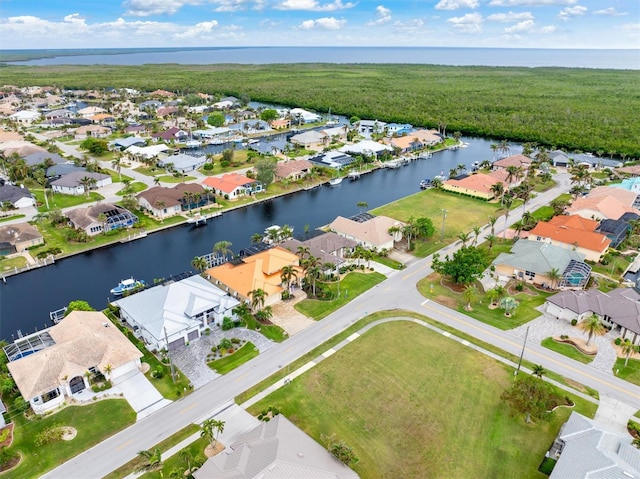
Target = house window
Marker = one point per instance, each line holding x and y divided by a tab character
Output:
48	396
530	274
538	238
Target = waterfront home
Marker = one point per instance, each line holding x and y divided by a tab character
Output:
367	128
59	113
519	161
328	247
56	363
616	230
533	261
91	131
146	152
300	115
619	309
605	202
293	169
40	157
337	133
25	117
90	111
168	316
281	124
478	185
15	195
18	237
405	144
233	185
74	184
560	158
633	170
428	137
259	271
183	163
573	232
398	129
274	449
368	231
124	143
101	218
311	140
162	202
332	159
171	134
587	449
366	147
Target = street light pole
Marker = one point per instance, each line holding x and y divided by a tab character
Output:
524	344
444	217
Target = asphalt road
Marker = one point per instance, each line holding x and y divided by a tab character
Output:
399	291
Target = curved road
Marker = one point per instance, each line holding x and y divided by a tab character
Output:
397	292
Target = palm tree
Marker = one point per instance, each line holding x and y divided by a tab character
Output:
160	205
492	223
592	326
303	252
507	201
287	274
222	248
491	239
436	182
554	275
538	370
509	304
494	148
464	237
117	165
256	238
627	348
107	371
152	460
265	314
210	430
497	189
504	147
476	233
363	205
470	294
87	183
156	181
199	263
242	310
258	297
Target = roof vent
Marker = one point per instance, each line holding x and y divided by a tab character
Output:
300	455
106	325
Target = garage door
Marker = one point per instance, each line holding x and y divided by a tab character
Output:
177	344
193	335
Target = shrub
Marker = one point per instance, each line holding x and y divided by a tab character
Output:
224	164
618	341
157	373
208	166
235	341
51	434
520	286
20	404
574	322
227	324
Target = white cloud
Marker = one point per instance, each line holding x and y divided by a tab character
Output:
383	15
198	30
611	11
526	26
145	8
571	12
413	26
326	23
530	3
314	5
469	23
510	17
631	27
548	29
230	5
456	4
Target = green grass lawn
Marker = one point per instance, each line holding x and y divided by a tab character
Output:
173	179
430	203
147	171
630	372
7	264
175	466
58	200
391	263
566	350
115	176
351	286
524	313
270	331
94	423
11	217
414	404
245	353
136	186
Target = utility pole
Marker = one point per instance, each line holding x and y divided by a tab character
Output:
524	344
444	217
173	372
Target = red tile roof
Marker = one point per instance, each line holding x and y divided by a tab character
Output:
572	230
227	183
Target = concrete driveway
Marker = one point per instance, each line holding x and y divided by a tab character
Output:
141	395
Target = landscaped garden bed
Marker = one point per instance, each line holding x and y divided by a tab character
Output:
567	347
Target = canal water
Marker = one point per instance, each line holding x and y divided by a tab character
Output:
26	299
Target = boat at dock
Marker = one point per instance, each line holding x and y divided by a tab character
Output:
127	285
354	175
200	219
426	183
335	181
192	144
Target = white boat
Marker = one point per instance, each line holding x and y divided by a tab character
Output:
127	285
192	144
335	181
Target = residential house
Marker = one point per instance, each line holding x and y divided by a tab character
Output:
52	365
18	197
274	449
101	218
328	247
163	202
150	105
311	140
57	171
406	144
25	117
183	163
40	157
629	184
619	308
372	233
573	232
90	111
633	170
223	105
533	261
72	183
124	143
10	136
169	315
299	115
59	113
105	119
259	271
293	169
146	152
587	449
337	133
428	137
162	93
332	159
136	129
604	202
233	185
367	128
281	124
559	158
171	134
398	129
616	230
21	147
478	185
167	111
519	161
18	237
91	131
366	147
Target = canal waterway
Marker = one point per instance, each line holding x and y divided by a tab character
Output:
26	299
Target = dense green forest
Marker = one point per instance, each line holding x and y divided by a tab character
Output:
575	109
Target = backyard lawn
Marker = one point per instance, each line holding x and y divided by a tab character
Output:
351	286
58	200
430	203
567	350
413	403
7	264
94	423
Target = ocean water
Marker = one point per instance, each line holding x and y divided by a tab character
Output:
507	57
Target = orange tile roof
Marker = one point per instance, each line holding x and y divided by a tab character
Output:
574	221
404	142
571	236
259	271
101	116
228	182
515	160
608	206
479	182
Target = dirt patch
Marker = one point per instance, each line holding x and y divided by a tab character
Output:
446	301
456	288
69	433
211	451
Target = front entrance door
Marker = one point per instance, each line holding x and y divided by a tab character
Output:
76	384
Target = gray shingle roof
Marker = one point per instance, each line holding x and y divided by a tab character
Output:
13	193
72	180
538	257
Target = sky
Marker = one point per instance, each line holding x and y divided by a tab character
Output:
37	24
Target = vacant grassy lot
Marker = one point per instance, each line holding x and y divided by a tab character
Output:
351	286
228	363
94	423
175	179
566	350
429	204
135	187
58	200
414	404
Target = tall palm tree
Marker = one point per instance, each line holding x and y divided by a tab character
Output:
363	205
555	276
464	237
504	147
538	371
117	165
492	223
470	294
222	248
303	252
627	348
494	148
210	430
491	238
592	326
258	297
287	275
199	263
497	189
507	201
87	183
152	460
476	233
